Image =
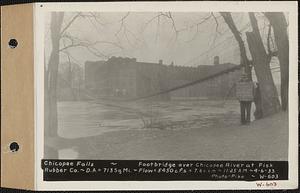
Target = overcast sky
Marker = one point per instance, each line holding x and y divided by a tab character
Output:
187	39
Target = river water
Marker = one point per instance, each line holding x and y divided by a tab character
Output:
82	118
79	119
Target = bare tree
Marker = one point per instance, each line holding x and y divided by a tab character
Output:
51	80
279	24
261	62
59	32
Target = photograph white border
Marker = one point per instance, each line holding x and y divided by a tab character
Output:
212	6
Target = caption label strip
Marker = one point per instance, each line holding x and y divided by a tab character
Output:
158	170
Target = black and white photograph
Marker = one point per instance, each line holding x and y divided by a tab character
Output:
167	85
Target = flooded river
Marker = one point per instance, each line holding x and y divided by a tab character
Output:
176	130
81	119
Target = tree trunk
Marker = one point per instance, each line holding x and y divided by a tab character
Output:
243	56
51	98
279	24
261	63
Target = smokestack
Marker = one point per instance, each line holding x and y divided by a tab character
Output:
216	60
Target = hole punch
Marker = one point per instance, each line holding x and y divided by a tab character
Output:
14	147
13	43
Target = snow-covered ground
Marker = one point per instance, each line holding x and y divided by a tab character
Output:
195	130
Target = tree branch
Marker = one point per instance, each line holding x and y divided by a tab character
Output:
70	22
256	31
150	20
173	24
228	19
85	43
217	23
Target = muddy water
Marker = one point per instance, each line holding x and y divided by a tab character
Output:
84	119
81	119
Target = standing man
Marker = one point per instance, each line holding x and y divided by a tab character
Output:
245	94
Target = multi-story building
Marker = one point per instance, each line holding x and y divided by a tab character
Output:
128	78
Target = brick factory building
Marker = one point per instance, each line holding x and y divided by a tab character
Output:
128	78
